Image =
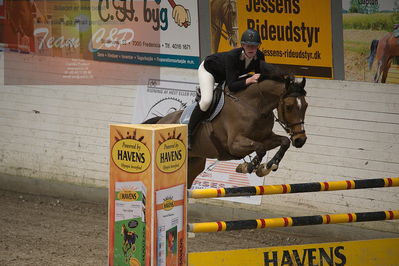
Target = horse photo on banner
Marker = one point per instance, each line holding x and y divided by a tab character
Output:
224	30
371	40
18	25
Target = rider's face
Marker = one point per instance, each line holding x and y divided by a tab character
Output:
250	49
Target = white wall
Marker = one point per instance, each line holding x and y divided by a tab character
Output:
61	133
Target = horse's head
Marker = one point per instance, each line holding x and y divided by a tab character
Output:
230	21
291	111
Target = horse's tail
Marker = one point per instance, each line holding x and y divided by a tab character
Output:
373	51
152	120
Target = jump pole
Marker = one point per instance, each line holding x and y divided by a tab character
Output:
209	227
293	188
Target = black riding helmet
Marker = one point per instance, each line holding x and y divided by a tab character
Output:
251	37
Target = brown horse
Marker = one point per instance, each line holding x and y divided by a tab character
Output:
245	125
223	12
129	242
19	15
383	50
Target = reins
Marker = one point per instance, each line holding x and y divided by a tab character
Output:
286	126
238	100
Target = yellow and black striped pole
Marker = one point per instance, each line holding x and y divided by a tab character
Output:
292	221
293	188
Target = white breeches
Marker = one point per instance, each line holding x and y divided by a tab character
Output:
207	83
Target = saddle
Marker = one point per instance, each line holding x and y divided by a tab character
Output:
214	109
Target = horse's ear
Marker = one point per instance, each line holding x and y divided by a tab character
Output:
303	82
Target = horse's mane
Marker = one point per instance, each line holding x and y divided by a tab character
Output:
152	120
273	72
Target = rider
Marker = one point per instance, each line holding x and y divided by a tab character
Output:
232	67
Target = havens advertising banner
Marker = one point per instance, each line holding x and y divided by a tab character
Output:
295	34
366	253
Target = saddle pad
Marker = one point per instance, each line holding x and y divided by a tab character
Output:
185	116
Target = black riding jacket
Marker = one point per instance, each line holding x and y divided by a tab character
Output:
227	66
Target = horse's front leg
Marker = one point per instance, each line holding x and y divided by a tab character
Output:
271	143
249	167
241	146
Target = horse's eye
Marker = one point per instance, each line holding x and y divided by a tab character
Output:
289	108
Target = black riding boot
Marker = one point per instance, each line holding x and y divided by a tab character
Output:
197	116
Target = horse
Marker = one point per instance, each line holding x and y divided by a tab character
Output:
223	12
383	50
129	240
20	18
245	125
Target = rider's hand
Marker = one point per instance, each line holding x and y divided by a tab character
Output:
253	79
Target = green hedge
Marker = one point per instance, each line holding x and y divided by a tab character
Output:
376	21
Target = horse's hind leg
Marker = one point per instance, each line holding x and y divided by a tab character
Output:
385	70
378	72
382	70
195	167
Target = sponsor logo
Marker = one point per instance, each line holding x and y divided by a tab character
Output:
131	155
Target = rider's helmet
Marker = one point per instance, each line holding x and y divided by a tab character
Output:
251	37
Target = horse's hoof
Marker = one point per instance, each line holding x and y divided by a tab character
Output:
264	171
274	167
242	168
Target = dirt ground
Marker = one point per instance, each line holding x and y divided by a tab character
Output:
42	230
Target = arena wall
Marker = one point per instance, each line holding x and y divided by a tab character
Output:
61	133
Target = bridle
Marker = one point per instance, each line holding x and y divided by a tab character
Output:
283	121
